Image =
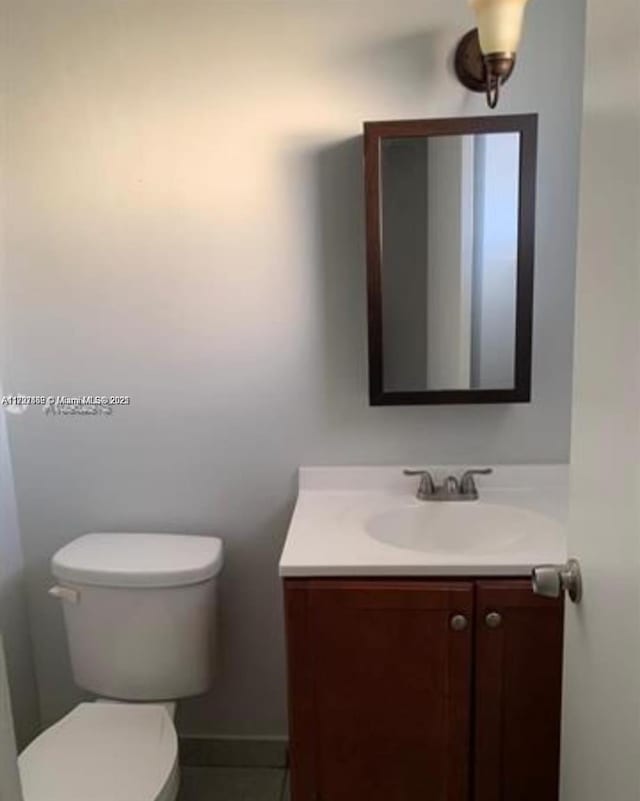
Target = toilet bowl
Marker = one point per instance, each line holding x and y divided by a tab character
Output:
139	612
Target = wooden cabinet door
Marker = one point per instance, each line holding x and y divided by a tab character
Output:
380	690
517	693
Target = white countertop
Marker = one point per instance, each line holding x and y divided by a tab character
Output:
329	534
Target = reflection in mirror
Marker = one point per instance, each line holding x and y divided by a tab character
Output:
449	261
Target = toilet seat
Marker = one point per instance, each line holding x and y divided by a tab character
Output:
104	752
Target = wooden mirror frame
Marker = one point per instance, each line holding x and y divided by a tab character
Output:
374	133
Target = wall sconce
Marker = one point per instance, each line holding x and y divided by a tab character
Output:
485	57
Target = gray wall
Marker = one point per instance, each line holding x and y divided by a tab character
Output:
185	225
14	622
14	615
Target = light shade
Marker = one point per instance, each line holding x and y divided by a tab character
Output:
499	24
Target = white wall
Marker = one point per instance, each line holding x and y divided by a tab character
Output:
185	225
601	726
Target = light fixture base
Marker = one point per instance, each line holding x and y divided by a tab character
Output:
470	63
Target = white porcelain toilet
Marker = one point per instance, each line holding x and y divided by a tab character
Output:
140	616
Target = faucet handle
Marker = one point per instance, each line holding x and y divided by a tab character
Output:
427	486
467	483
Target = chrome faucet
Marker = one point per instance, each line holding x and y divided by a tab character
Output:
427	487
451	489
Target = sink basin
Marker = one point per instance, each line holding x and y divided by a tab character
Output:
367	522
462	528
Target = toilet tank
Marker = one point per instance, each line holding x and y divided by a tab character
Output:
140	613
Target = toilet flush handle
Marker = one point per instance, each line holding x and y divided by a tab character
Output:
65	594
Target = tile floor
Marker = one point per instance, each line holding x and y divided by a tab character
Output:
233	784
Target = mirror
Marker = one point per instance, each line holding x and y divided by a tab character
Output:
450	231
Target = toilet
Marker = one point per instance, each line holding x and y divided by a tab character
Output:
140	615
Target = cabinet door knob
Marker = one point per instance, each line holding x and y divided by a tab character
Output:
493	620
459	622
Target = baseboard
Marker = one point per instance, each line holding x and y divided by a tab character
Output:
233	752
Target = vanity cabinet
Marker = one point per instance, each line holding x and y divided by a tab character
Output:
423	690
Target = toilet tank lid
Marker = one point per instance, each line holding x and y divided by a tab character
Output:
138	560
